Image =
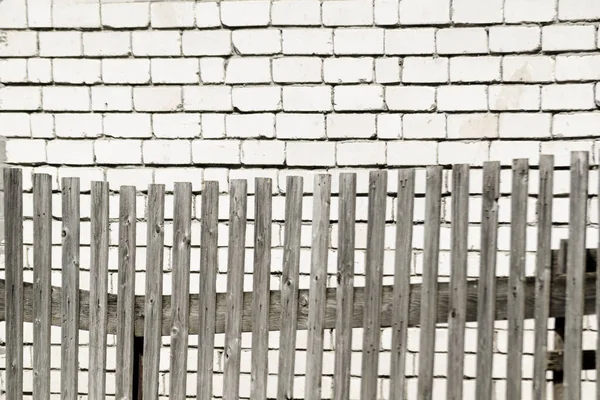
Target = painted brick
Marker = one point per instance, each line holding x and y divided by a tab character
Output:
409	153
361	153
348	70
157	98
206	43
15	125
66	98
365	41
263	152
213	126
39	70
25	151
71	152
562	150
256	41
207	98
513	39
462	98
349	126
389	126
39	16
474	11
580	124
297	69
245	13
410	41
473	153
410	98
60	44
522	125
347	13
208	14
216	152
175	126
472	126
310	153
20	98
387	70
296	13
13	70
475	69
172	14
75	15
433	12
125	15
42	126
307	98
19	44
568	97
125	71
575	67
300	126
572	10
307	41
117	151
568	37
127	125
257	98
250	125
248	70
212	70
358	97
462	41
156	43
528	69
529	10
386	12
13	14
166	152
425	70
514	97
424	126
106	44
175	70
507	151
78	125
76	71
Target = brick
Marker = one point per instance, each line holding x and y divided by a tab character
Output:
117	151
299	126
75	15
523	125
348	70
462	98
386	12
250	125
527	69
175	126
216	152
126	71
472	126
580	124
597	94
66	98
410	98
78	125
157	98
433	12
213	126
257	98
15	125
263	152
19	44
207	98
71	152
387	70
347	13
166	152
307	41
506	151
208	14
462	41
561	149
78	71
474	11
358	97
248	70
425	70
42	126
475	69
169	70
212	70
40	16
256	41
424	126
310	154
411	153
568	97
349	126
573	10
297	69
126	15
156	43
568	37
206	43
127	125
13	14
513	39
307	98
25	151
60	44
360	153
13	70
367	41
389	126
106	44
529	10
514	97
245	13
296	13
575	67
472	153
20	98
172	14
39	70
410	41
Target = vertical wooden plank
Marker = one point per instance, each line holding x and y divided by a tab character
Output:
400	305
598	319
559	323
98	290
235	286
13	245
126	292
433	197
318	286
575	274
458	281
154	285
373	283
208	276
289	287
486	296
542	273
260	294
516	304
69	366
345	286
180	306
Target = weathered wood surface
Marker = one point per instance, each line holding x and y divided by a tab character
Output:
559	323
554	360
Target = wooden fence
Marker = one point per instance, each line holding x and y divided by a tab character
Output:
139	321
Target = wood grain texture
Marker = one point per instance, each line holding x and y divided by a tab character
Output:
458	280
98	290
126	292
518	240
575	274
318	286
260	280
289	287
401	293
69	366
345	286
487	287
542	273
13	295
207	302
559	267
235	288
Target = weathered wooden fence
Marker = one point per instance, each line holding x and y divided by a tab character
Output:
561	287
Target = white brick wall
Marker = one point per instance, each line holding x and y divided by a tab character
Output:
137	92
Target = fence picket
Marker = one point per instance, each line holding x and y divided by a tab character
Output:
486	297
126	291
318	286
14	300
289	287
235	281
345	286
576	258
208	289
98	290
542	273
458	281
69	365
